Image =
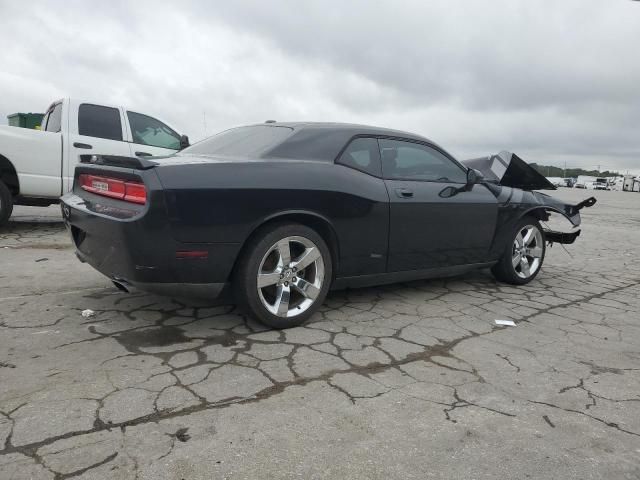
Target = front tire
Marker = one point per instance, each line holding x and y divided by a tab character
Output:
522	260
284	275
6	203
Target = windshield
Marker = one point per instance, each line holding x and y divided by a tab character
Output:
241	141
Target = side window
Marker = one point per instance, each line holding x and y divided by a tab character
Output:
149	131
43	123
54	120
100	122
362	154
413	161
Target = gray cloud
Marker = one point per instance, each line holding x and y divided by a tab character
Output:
484	54
553	81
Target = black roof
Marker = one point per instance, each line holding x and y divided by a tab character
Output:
352	128
324	140
315	141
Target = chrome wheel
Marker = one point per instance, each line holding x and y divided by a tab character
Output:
528	249
290	276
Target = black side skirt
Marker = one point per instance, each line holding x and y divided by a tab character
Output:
396	277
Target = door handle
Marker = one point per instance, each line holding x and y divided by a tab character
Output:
82	145
143	154
404	193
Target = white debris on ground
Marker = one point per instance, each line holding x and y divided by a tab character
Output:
508	323
88	313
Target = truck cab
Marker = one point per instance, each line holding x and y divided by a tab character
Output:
36	166
601	184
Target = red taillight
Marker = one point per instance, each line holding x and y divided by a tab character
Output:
109	187
134	192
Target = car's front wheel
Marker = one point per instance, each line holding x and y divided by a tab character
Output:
524	255
284	275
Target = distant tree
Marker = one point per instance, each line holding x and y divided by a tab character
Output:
551	171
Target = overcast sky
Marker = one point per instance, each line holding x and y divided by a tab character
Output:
553	81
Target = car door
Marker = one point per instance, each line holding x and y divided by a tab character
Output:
95	129
40	170
435	219
150	136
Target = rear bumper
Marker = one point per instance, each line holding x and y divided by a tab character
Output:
137	248
187	290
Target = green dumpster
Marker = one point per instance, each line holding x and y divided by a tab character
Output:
25	120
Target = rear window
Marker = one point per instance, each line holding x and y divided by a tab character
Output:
242	141
100	122
54	121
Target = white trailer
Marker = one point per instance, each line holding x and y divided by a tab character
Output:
627	184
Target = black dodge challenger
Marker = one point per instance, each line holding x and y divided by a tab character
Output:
281	212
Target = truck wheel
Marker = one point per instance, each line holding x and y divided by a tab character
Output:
6	203
523	257
284	275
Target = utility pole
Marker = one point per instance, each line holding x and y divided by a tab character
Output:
204	122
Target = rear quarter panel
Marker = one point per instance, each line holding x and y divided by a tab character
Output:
225	202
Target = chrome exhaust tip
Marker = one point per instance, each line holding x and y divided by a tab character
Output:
120	285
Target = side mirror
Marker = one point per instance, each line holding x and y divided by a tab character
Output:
184	142
474	176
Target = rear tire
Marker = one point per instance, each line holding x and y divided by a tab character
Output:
283	275
523	258
6	204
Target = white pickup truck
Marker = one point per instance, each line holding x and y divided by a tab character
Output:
36	166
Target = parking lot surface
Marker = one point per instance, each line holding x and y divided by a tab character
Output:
404	381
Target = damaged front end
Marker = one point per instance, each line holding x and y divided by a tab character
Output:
513	181
547	204
509	170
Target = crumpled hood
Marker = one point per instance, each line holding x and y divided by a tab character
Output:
509	170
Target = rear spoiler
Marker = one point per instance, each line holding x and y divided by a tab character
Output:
117	161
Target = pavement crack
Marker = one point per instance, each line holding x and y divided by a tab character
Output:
549	422
598	419
506	359
77	473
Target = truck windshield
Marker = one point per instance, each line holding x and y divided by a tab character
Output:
241	141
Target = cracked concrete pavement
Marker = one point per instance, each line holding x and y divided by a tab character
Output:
403	381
